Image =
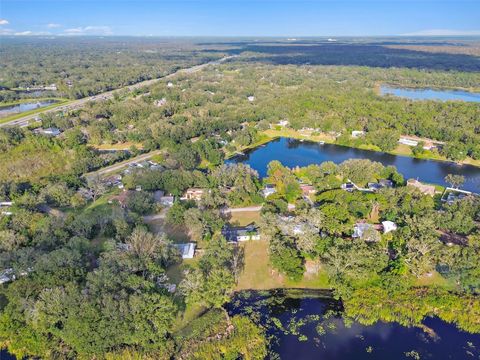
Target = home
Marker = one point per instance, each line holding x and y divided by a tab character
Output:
167	201
348	187
240	233
374	186
424	188
6	203
283	123
307	190
187	250
6	275
406	141
268	190
366	232
386	183
251	98
51	87
47	131
357	133
195	194
122	198
170	84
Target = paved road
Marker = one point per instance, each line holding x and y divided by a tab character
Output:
26	120
123	164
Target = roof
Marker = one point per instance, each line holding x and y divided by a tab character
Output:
187	250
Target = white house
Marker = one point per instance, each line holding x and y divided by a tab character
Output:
251	98
408	142
357	133
388	226
268	190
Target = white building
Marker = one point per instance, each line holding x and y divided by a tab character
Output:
388	226
357	133
251	98
408	142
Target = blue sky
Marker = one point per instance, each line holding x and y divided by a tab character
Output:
239	18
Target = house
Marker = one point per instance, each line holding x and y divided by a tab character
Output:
6	275
187	250
268	190
251	98
47	131
424	188
348	187
406	141
195	194
307	190
157	195
170	84
283	123
240	233
386	183
374	186
167	201
388	226
51	87
366	232
122	198
357	133
6	203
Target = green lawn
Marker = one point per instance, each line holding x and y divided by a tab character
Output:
244	218
259	275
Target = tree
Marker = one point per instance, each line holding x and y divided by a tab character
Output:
96	186
455	181
141	202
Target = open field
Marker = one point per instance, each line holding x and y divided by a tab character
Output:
243	218
259	275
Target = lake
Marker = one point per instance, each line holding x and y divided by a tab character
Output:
430	94
312	327
19	108
292	153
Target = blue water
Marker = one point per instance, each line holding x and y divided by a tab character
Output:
429	94
380	341
294	153
19	108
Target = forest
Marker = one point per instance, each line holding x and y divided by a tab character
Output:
86	273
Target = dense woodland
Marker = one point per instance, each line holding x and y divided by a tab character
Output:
92	278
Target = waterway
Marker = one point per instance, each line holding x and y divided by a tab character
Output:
304	328
19	108
292	153
430	94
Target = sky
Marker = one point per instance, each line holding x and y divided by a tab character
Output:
239	18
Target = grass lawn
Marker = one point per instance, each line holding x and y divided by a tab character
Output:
118	146
176	233
259	275
244	218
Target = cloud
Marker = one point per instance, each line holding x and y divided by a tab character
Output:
31	33
53	26
6	31
4	22
443	32
89	30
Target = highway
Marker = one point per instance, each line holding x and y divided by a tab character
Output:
76	104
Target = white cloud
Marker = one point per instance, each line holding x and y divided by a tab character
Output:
31	33
53	26
89	30
444	32
4	22
6	31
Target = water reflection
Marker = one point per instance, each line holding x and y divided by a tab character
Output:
294	153
430	94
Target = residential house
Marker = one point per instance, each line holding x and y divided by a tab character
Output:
240	233
195	194
357	133
268	190
374	186
6	276
386	183
348	187
451	195
251	98
366	232
167	201
308	190
170	84
47	131
424	188
187	250
407	141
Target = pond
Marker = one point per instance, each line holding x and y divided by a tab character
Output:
312	327
19	108
430	94
292	153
